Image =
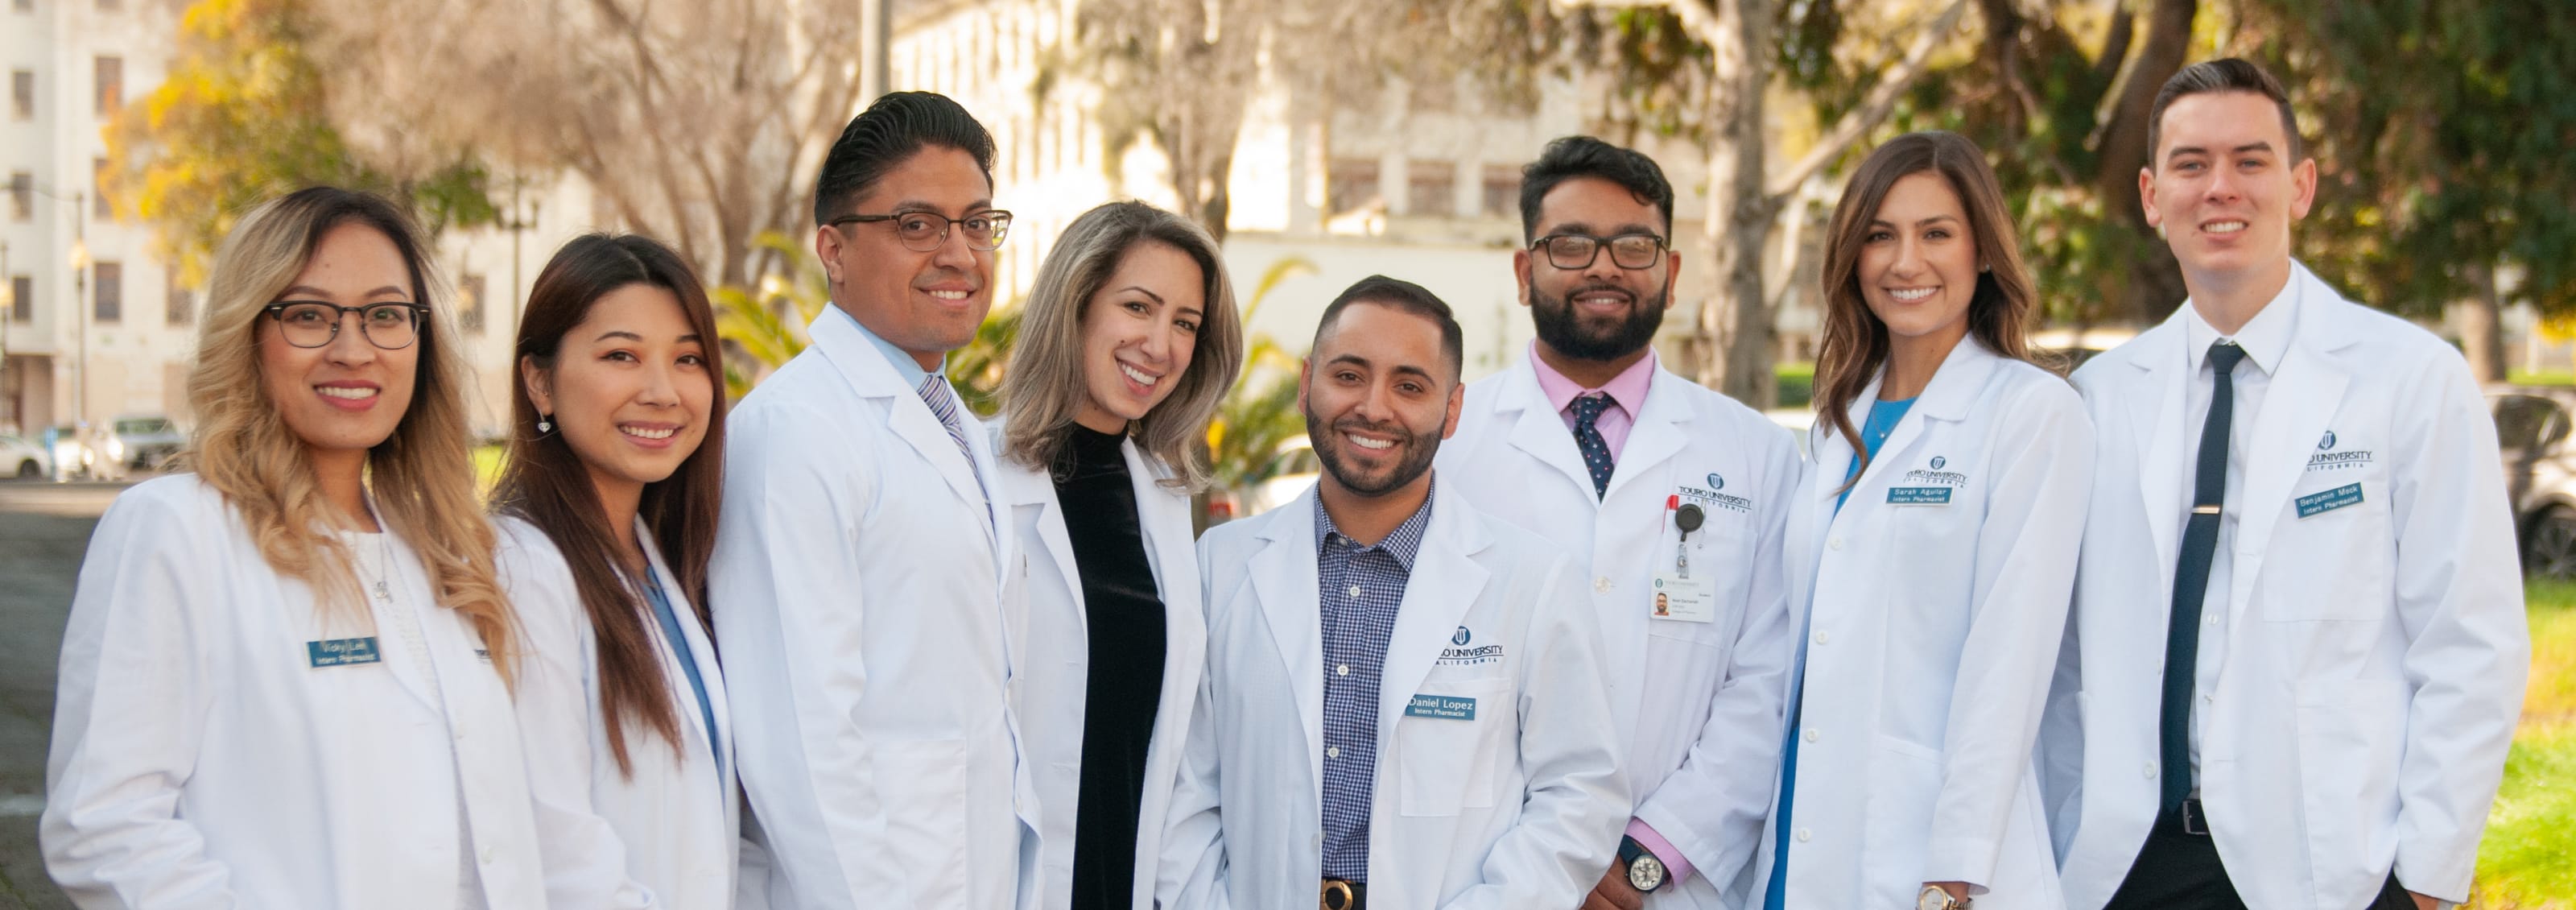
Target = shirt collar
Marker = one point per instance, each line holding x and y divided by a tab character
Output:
904	365
1401	543
2265	338
1627	390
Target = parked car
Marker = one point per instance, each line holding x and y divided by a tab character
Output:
145	441
72	456
24	460
2532	425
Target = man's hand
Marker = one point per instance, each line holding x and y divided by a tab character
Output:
2425	903
1614	892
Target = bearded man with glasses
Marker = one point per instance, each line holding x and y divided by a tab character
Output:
1672	497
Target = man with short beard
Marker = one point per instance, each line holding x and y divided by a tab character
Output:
1403	703
1654	486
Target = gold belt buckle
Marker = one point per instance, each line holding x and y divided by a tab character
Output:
1336	896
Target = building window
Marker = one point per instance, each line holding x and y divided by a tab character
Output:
1349	184
98	207
469	304
22	298
1431	188
24	6
183	304
22	196
22	94
107	291
1502	190
111	85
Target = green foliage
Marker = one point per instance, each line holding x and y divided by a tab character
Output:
1260	415
2522	860
243	117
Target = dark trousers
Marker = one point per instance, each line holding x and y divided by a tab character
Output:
2177	870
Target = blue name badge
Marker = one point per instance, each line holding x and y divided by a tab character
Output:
1918	496
1445	707
2330	500
342	651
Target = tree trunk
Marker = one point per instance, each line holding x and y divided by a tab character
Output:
1736	322
2155	282
2481	323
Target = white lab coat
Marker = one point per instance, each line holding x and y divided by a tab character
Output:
1519	807
1056	665
858	600
675	821
2375	652
1698	704
200	759
1931	633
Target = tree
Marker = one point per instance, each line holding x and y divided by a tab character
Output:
245	116
702	124
1180	72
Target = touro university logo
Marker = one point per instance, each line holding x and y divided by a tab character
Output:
1463	656
2327	459
1933	474
1715	482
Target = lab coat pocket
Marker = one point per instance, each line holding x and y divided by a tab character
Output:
1446	764
2349	735
922	786
2331	551
1904	781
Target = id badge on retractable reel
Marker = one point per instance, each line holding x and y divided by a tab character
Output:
1677	595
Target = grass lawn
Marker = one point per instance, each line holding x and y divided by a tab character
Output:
2528	859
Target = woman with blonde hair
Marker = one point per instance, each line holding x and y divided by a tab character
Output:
1930	552
286	681
1129	342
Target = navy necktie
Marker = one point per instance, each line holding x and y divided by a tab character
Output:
2191	575
1587	439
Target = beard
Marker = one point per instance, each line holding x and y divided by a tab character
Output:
1413	450
1572	335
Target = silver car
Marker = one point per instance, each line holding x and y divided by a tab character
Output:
2539	473
23	460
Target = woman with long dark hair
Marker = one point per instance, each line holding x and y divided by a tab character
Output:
1129	342
1931	551
287	677
608	513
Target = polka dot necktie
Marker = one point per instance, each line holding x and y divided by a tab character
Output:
1587	439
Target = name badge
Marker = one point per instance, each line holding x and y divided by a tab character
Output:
1444	707
2330	500
334	652
1918	496
1685	599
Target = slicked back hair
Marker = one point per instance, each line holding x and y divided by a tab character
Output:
1571	157
2227	74
1408	297
890	131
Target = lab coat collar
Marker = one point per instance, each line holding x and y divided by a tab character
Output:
870	373
1950	396
1538	430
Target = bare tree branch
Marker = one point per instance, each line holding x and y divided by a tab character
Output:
1872	110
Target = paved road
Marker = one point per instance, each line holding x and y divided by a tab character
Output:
43	530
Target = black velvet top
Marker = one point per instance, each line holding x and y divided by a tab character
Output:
1123	612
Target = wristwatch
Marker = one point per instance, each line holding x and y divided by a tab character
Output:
1645	872
1933	898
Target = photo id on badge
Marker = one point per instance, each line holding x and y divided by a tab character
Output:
1684	599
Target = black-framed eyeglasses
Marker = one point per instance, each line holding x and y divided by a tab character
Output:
1577	251
313	324
923	231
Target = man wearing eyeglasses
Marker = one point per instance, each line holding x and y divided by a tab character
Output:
1671	495
856	583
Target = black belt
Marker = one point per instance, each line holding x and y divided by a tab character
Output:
1343	895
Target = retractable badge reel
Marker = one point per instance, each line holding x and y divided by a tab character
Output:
1677	595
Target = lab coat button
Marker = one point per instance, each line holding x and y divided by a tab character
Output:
1834	544
1824	637
1601	585
488	854
1806	834
1811	736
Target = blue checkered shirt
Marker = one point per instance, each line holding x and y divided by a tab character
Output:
1361	586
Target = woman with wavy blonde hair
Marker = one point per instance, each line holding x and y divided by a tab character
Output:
286	678
1129	342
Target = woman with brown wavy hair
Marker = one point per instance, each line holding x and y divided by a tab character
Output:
609	514
1930	552
287	677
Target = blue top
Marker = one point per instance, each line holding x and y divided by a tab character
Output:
1882	420
1361	587
688	661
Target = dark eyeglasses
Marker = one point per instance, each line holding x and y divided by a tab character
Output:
313	324
922	231
1577	251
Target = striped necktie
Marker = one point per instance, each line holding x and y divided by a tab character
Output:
934	392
